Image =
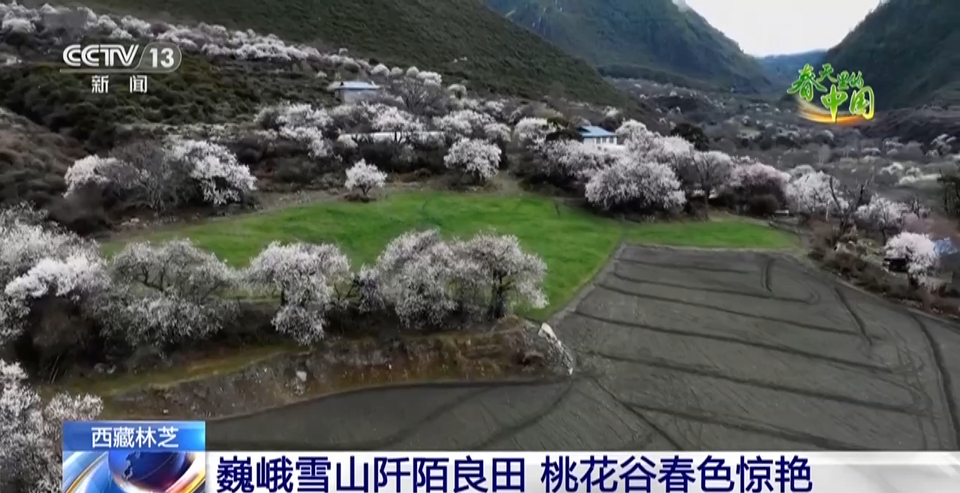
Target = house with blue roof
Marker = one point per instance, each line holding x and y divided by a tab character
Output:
352	91
597	136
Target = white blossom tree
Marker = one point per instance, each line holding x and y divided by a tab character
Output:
364	178
305	276
501	271
221	178
752	179
920	252
475	158
40	262
31	432
497	132
883	216
293	115
164	176
531	132
380	70
635	134
422	93
675	152
573	160
809	195
91	170
463	124
415	272
634	184
172	292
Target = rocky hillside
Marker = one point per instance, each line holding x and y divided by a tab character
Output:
640	39
460	38
908	51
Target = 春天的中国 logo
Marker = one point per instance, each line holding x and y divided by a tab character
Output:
844	99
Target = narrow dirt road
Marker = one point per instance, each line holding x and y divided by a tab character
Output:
677	349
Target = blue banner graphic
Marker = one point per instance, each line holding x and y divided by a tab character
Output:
134	457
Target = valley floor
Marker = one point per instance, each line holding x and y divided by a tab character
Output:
573	242
676	349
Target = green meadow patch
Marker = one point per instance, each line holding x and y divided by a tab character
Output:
573	242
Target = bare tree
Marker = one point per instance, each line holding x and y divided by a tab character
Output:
823	154
847	199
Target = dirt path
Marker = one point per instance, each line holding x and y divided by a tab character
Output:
677	349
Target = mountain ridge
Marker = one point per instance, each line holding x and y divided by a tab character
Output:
462	39
908	51
784	68
648	38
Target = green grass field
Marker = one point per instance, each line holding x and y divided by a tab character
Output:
574	243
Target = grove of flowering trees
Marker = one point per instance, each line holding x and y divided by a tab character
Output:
648	172
168	295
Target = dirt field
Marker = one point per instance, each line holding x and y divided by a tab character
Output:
677	349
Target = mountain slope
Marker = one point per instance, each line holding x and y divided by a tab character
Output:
462	39
908	51
639	37
784	68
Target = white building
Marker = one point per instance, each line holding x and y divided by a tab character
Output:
353	90
598	137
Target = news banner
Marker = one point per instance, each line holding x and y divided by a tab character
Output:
172	457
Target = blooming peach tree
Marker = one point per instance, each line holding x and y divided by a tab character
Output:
475	158
365	177
920	252
30	432
305	276
638	185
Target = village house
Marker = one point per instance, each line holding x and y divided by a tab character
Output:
948	256
597	136
352	91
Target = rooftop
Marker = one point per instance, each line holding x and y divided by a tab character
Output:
591	131
944	246
353	85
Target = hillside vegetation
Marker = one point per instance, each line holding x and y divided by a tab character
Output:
908	51
640	39
460	38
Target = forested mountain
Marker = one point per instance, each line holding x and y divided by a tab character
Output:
462	39
640	38
908	51
785	67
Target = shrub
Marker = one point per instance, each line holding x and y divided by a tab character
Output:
763	205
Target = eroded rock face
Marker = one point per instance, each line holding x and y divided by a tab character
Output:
514	348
